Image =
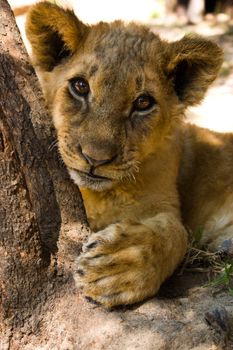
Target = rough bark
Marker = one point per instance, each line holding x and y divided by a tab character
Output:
40	307
31	214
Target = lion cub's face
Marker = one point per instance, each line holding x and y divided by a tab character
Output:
106	105
114	91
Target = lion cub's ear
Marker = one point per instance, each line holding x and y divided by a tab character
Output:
192	63
54	33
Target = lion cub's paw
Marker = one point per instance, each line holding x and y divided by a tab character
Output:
120	265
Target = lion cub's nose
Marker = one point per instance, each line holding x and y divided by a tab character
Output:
97	162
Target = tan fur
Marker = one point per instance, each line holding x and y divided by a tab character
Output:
162	174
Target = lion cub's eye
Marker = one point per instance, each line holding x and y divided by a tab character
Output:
79	86
143	103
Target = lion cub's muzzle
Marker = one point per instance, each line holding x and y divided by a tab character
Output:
94	157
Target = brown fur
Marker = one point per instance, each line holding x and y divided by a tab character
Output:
161	174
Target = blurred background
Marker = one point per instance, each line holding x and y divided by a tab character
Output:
171	19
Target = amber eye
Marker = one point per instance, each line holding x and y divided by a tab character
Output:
143	103
79	86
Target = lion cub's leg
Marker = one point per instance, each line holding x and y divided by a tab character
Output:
128	261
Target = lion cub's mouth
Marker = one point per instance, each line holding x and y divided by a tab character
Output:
90	175
90	180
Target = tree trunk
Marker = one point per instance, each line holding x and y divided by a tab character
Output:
32	215
42	226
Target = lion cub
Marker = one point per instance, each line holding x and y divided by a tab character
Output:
117	94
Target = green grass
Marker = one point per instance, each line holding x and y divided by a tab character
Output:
224	279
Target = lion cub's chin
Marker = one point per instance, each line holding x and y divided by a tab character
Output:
87	181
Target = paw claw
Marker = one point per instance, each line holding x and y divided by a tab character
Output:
80	272
92	301
89	246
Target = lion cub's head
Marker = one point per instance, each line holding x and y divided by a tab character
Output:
115	91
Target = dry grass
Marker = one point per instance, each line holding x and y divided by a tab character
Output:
218	264
200	260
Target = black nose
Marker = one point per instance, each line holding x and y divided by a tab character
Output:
97	162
